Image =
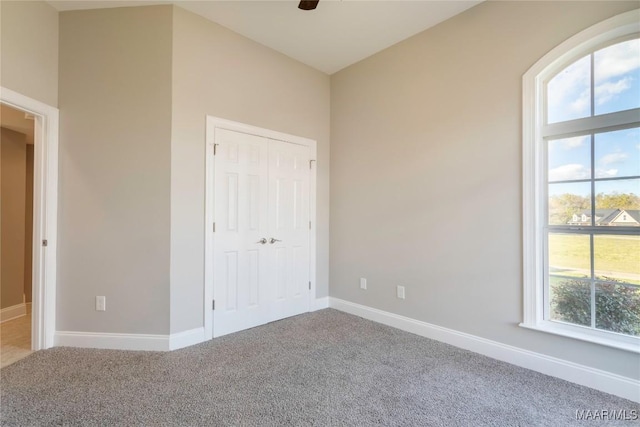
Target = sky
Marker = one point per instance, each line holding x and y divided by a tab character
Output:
616	84
616	88
617	155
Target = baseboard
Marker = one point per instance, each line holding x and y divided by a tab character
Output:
13	312
111	341
319	304
143	342
607	382
186	338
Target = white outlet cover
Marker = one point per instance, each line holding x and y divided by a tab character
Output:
400	292
363	283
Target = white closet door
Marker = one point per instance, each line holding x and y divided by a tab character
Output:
261	242
289	228
241	290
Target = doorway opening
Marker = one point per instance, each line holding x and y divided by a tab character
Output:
16	232
28	233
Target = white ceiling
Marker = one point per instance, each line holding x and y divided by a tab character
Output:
335	35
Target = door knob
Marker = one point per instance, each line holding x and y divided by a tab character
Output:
272	240
262	241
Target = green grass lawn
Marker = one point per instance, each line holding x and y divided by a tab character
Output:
615	256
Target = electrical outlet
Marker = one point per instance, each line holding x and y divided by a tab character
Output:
363	283
101	303
400	292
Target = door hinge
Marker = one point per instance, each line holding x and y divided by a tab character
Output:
309	284
213	304
214	227
45	242
215	149
309	225
311	164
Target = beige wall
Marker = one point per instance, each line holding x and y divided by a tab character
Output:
114	179
13	158
426	174
134	67
220	73
29	49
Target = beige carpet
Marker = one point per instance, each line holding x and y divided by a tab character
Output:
325	368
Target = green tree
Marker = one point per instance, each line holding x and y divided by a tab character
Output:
617	200
562	207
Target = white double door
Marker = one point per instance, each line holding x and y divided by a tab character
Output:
261	267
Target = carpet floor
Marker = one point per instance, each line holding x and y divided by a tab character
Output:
325	368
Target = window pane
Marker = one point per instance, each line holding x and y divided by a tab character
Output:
618	153
618	308
570	158
618	203
617	258
569	92
570	301
570	204
569	255
617	77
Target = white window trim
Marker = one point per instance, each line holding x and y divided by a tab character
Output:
534	165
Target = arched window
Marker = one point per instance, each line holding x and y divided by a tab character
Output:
581	158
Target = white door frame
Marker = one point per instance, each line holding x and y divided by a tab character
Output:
45	214
211	124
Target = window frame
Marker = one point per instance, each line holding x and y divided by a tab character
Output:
534	162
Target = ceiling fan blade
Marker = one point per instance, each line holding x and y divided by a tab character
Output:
308	4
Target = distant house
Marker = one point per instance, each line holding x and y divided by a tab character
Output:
608	217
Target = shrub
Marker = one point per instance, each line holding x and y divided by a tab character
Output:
617	305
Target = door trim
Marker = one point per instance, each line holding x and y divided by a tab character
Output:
213	123
45	214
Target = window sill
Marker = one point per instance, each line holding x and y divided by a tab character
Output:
608	339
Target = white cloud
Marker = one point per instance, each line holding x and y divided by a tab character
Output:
570	171
607	90
575	142
570	143
577	171
612	68
609	173
569	90
616	60
614	158
582	103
